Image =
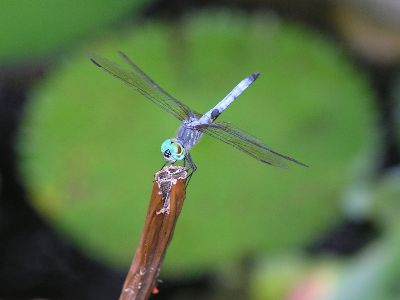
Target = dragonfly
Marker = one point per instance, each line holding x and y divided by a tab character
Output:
194	125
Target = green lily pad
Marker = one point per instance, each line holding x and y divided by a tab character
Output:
37	28
91	144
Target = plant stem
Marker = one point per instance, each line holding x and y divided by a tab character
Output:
162	214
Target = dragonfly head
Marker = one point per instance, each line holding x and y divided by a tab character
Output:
172	150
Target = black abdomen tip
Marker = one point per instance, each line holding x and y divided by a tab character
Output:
255	75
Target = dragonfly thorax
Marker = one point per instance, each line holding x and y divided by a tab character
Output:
172	150
188	135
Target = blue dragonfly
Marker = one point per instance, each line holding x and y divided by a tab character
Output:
194	125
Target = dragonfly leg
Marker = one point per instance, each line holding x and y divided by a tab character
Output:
191	168
163	165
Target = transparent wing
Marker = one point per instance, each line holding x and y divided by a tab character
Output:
140	82
226	133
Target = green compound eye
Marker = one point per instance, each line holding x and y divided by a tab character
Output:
172	150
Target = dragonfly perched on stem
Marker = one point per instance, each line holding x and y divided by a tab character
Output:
194	125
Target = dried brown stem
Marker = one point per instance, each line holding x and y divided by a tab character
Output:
163	212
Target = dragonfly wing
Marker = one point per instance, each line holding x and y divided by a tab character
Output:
230	135
139	81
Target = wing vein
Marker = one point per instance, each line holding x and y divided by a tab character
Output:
143	84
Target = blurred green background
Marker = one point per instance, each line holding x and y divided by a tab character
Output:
88	145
